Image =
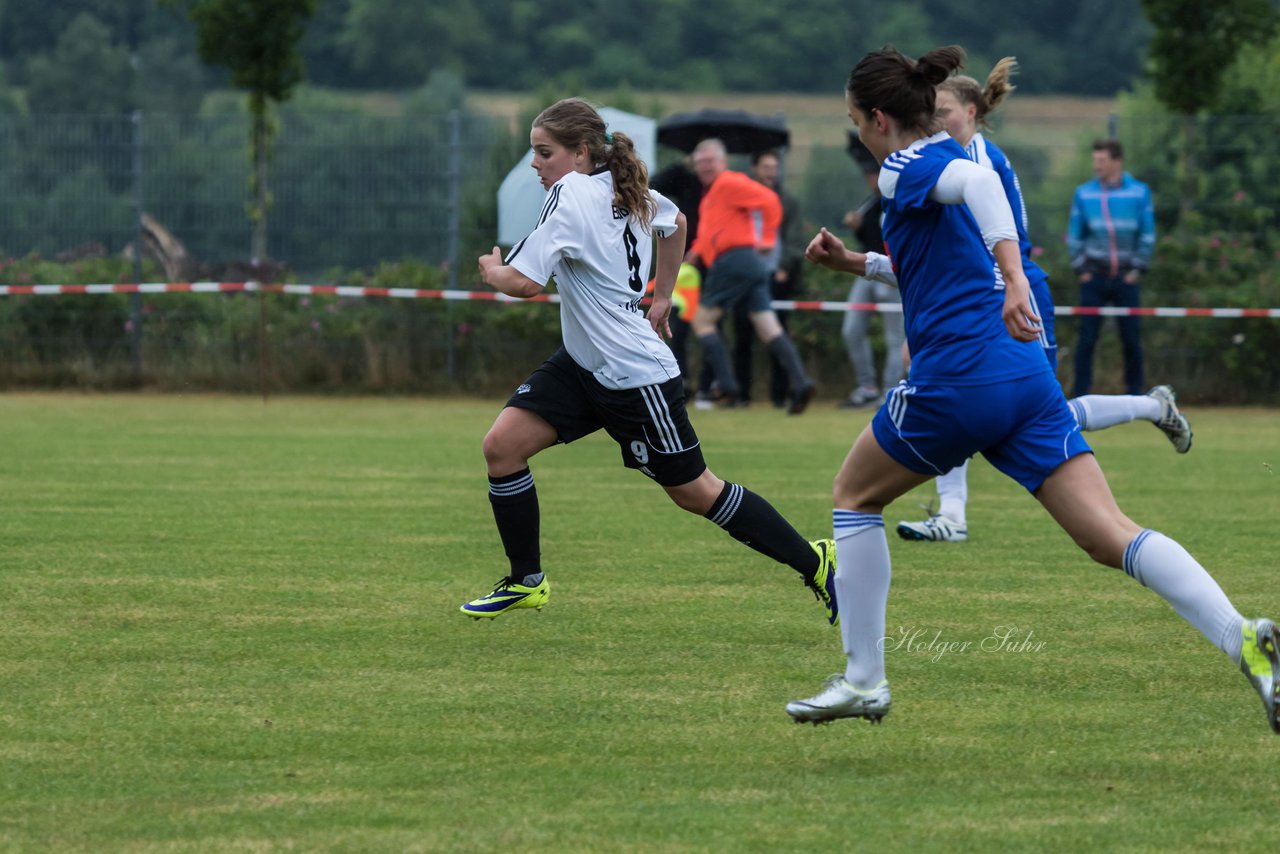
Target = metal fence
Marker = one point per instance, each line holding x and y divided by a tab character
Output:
352	192
347	191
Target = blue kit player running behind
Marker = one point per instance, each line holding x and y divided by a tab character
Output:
979	384
614	373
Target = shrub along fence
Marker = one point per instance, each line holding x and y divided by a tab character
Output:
285	342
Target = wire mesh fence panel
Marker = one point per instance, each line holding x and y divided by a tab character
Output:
355	194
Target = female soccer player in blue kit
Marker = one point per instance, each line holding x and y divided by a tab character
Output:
979	382
963	105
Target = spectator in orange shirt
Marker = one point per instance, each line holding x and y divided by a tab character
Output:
738	226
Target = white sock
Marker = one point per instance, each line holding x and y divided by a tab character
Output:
953	492
1162	565
862	591
1100	411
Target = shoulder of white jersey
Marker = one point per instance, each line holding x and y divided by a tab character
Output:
552	201
579	190
577	183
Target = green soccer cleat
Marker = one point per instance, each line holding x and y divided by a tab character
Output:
823	583
1260	663
838	699
508	596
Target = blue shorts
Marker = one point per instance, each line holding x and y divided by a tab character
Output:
1023	427
738	278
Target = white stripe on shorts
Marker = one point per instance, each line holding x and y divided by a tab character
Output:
660	414
897	402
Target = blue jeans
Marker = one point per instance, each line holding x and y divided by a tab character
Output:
1100	291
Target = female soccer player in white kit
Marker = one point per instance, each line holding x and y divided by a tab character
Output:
963	106
614	372
979	382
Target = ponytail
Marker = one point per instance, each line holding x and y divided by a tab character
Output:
903	88
937	65
630	178
985	98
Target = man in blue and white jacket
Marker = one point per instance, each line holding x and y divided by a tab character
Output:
1111	236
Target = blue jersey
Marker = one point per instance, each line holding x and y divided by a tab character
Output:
986	153
952	293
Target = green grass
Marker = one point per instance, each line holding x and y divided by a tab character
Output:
230	626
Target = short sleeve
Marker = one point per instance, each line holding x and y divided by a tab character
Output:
664	221
907	179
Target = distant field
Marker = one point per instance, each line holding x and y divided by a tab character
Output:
230	626
820	119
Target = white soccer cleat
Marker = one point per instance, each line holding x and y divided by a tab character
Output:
839	699
936	528
1172	422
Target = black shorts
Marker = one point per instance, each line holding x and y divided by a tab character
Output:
738	278
649	423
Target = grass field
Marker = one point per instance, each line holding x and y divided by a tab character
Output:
229	626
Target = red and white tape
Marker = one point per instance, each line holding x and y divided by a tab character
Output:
493	296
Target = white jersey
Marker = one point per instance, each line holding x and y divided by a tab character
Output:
600	257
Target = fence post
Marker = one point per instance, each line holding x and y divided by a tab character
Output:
455	226
135	300
1113	125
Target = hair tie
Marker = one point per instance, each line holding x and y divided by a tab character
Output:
608	138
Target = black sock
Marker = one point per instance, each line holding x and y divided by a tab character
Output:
515	508
784	350
714	354
752	521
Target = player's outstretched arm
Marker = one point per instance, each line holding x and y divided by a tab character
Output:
829	251
505	278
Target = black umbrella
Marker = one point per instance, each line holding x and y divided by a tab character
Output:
740	131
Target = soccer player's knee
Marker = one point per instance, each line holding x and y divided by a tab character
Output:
697	496
495	449
690	502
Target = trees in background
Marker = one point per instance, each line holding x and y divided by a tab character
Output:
1192	52
86	72
258	43
1090	47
